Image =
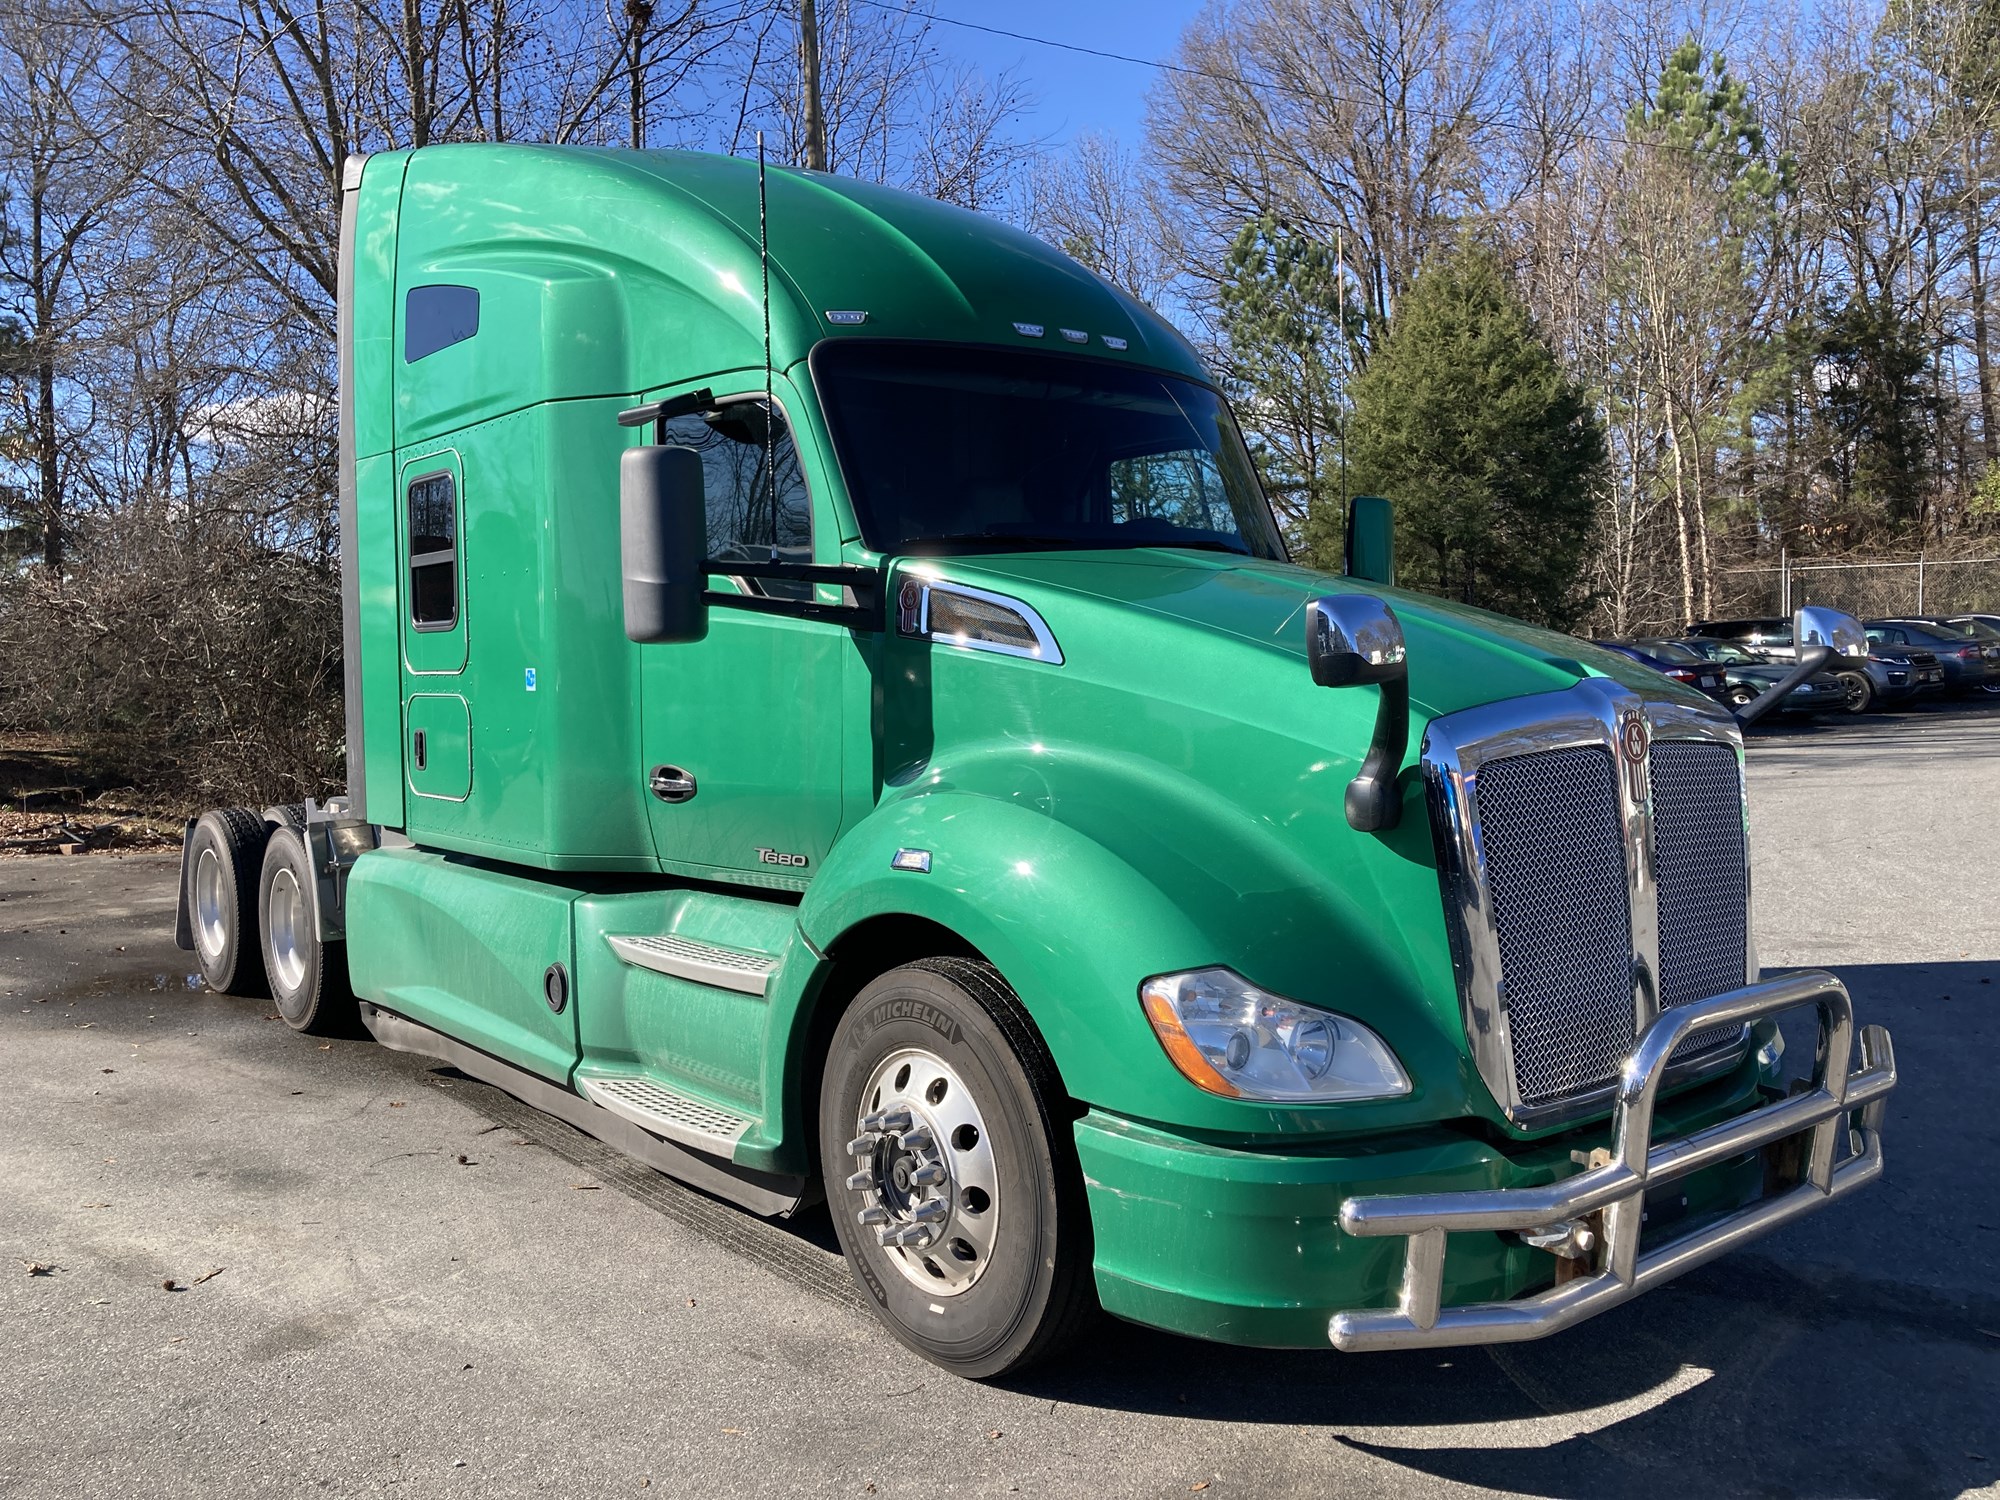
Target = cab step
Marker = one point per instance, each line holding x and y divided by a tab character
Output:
666	1112
704	963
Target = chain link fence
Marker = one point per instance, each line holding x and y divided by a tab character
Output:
1872	589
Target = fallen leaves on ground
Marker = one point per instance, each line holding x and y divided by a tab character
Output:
40	1267
208	1275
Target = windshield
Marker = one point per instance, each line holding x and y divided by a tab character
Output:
947	446
1978	629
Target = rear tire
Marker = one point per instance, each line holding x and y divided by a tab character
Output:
224	860
1860	691
1003	1279
308	977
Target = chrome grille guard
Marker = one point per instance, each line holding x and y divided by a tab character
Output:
1612	1193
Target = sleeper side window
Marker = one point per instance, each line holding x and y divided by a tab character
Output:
750	518
433	500
436	317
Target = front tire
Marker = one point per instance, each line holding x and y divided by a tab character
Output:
949	1170
1860	692
308	978
223	860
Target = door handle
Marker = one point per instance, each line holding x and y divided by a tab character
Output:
671	783
417	748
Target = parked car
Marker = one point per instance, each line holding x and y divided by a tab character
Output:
1768	638
1734	684
1986	629
1969	663
1890	677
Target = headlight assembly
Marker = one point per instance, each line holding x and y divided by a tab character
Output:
1231	1038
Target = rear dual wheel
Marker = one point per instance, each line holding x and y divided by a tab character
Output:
250	908
949	1172
308	977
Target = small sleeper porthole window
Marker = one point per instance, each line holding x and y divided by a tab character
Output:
436	317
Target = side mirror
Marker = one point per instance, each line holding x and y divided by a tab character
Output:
1371	539
1820	635
663	543
1816	625
1352	639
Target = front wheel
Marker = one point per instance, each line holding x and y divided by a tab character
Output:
1860	691
949	1170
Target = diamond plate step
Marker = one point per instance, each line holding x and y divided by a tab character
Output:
651	1106
704	963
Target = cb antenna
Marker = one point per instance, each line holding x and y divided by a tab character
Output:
770	405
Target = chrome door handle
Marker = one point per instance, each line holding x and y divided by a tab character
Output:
671	783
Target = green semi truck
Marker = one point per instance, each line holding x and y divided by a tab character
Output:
829	712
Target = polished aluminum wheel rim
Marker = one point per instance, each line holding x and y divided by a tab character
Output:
285	922
927	1182
211	931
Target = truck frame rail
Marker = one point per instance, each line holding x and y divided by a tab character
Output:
1592	1220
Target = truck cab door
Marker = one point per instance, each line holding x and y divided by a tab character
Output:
742	729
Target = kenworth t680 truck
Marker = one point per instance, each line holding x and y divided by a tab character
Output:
830	712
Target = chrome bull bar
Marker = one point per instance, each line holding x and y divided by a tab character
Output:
1614	1190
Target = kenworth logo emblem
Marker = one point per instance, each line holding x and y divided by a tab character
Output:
1635	737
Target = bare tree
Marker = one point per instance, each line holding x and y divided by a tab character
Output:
65	188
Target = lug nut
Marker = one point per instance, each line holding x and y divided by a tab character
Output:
889	1121
861	1181
873	1214
919	1139
907	1235
930	1211
862	1144
928	1176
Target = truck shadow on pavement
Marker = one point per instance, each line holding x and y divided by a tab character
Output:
1855	1353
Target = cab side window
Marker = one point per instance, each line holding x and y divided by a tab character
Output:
750	518
433	534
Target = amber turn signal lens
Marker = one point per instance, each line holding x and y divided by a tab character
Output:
1181	1049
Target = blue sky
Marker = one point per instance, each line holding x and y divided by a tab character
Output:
1075	93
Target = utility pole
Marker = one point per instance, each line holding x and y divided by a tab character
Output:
638	16
809	71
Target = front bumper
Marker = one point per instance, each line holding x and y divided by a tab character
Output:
1245	1244
1609	1199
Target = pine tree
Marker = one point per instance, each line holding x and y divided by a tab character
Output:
1293	336
1491	453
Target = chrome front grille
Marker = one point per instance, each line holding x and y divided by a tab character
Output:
1592	854
1555	862
1701	868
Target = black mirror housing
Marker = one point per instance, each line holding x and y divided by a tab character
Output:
663	543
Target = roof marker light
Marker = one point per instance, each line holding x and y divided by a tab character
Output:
1075	335
1029	330
1112	341
846	317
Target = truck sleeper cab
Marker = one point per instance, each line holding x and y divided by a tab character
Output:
892	757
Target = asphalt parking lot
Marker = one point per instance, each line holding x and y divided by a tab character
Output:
279	1267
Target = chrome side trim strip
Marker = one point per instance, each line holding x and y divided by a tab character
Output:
350	545
1616	1190
704	963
